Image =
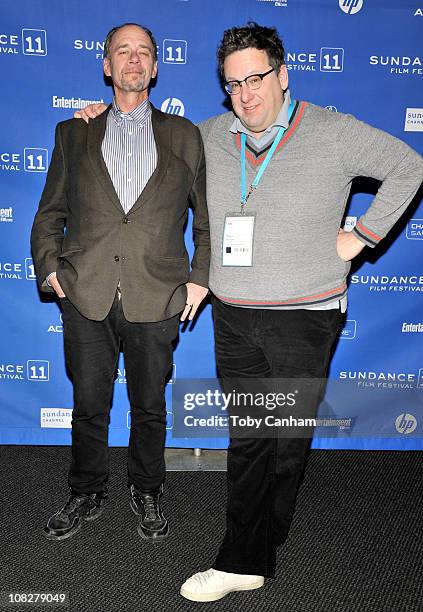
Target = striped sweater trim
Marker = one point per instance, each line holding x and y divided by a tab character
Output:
308	300
295	120
367	234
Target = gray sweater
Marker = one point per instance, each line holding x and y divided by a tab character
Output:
300	203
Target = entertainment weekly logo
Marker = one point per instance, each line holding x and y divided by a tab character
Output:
172	51
29	41
6	215
72	103
385	283
276	3
327	59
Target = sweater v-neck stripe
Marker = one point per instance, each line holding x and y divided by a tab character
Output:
256	157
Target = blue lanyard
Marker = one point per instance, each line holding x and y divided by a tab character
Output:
256	181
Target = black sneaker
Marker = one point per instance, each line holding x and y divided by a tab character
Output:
152	524
79	507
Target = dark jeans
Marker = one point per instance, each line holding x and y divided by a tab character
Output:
263	473
91	352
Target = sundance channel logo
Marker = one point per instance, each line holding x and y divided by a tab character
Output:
56	418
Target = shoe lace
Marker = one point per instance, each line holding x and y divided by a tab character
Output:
71	505
202	577
151	507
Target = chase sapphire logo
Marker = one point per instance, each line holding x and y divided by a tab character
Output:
349	331
351	7
414	229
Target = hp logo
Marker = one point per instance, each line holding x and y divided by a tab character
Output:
350	7
173	106
405	423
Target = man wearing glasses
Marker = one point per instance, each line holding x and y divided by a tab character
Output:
279	173
278	178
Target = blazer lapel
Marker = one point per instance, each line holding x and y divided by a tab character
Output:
162	138
96	131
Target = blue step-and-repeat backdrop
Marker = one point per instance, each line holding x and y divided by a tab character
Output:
358	56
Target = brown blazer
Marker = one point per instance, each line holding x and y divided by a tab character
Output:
81	230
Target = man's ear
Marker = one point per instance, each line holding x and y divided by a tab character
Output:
283	77
106	67
154	71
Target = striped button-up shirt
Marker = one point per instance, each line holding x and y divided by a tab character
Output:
129	151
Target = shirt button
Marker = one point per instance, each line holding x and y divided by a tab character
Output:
116	257
129	179
125	220
129	154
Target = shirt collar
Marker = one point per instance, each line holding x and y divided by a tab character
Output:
139	115
282	120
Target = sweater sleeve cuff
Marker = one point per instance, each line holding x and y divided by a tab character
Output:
365	235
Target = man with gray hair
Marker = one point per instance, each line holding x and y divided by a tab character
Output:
108	239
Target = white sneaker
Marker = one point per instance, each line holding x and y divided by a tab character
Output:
214	584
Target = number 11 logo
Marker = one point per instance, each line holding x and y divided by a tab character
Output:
35	160
34	42
174	51
38	370
331	59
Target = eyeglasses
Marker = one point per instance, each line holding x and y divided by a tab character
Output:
253	82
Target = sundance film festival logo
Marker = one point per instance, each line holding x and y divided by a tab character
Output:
405	423
329	59
96	46
404	65
384	379
30	42
351	7
13	270
384	283
36	370
413	120
173	106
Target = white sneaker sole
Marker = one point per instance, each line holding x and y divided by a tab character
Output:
220	594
